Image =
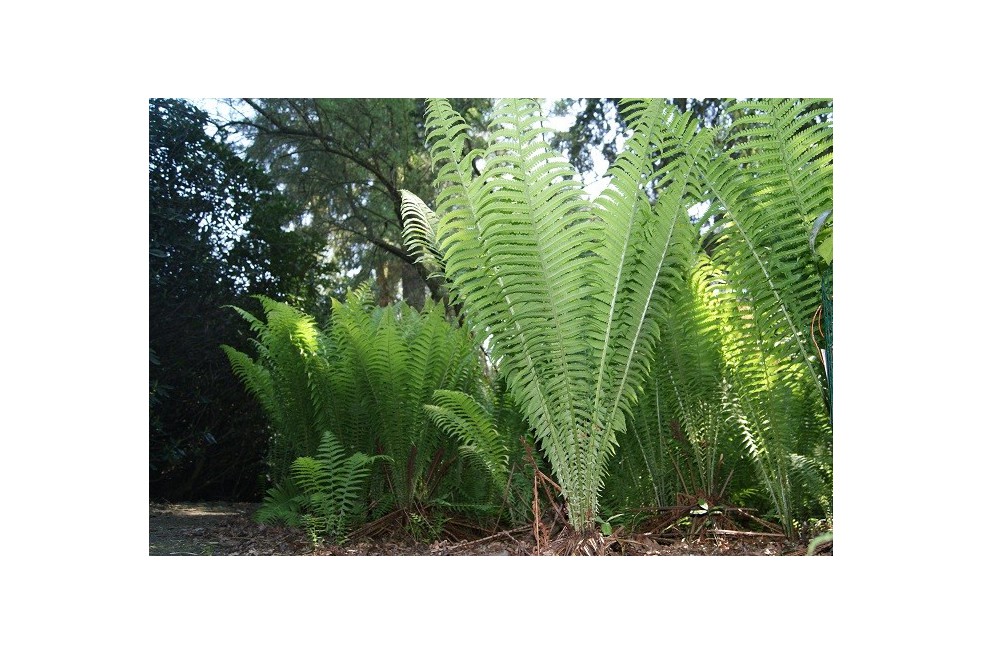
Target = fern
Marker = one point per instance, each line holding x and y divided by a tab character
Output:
679	433
283	504
288	378
771	402
769	184
391	361
568	292
367	380
331	486
772	183
419	226
572	295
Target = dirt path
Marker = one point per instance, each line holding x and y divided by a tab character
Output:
218	529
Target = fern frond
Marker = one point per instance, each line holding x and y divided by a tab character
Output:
332	485
257	380
283	504
776	412
514	242
462	417
771	185
679	432
647	253
787	146
289	378
419	230
774	182
563	288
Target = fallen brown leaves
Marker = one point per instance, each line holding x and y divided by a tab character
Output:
228	529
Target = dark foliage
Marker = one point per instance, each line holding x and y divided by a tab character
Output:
216	234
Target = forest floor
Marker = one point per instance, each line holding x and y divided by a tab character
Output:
217	528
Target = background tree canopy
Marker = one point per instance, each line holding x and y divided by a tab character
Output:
598	126
343	161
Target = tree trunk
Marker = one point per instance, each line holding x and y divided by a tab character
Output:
386	283
414	289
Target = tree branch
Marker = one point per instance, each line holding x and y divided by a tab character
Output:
329	146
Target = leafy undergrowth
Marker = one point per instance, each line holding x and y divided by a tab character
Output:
229	529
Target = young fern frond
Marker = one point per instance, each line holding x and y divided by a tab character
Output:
331	484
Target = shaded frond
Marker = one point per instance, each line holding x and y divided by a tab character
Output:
462	417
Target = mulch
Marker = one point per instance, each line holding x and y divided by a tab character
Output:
215	528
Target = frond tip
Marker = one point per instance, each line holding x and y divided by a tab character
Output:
419	231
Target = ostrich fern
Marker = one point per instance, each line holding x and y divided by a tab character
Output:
770	183
567	291
323	493
367	380
288	378
570	293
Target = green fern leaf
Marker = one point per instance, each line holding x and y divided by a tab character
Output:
462	417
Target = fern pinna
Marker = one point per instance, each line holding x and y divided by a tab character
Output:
568	292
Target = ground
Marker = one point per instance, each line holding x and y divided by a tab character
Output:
216	528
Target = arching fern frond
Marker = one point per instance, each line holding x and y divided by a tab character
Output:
515	241
419	230
288	377
462	417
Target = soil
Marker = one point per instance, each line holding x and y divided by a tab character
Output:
216	528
